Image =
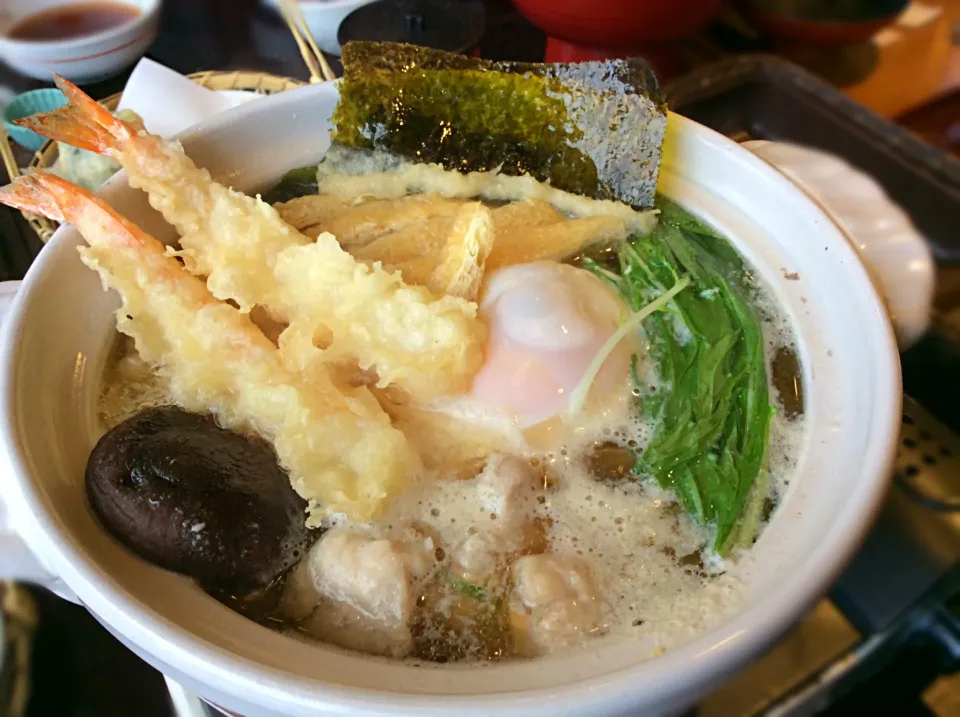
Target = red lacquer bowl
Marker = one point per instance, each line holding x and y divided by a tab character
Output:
618	23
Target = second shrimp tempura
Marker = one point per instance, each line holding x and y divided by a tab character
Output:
426	344
342	454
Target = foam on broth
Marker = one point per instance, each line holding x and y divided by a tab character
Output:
660	581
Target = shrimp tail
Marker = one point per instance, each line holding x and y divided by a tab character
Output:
57	199
30	193
82	123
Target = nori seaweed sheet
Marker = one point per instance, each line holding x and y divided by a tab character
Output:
296	183
593	128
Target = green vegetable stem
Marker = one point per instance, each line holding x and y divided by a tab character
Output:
712	420
469	589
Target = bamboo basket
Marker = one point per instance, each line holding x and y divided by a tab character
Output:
259	82
18	620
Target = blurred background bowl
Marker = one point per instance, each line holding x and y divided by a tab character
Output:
895	253
83	58
618	23
323	18
449	25
823	22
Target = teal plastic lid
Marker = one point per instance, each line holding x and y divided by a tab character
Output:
27	104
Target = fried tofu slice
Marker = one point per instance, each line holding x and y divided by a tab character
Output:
357	223
361	224
309	214
524	214
437	252
556	241
447	244
420	250
425	239
457	268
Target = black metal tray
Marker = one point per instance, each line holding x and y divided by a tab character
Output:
764	97
760	97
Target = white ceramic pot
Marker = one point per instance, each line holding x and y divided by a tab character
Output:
79	59
55	343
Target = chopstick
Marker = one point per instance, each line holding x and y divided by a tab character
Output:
320	70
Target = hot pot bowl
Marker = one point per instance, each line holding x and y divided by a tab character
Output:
56	341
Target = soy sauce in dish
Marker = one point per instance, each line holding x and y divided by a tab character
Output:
64	22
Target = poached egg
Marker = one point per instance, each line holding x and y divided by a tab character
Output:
547	322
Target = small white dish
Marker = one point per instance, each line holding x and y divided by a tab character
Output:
323	18
79	59
895	253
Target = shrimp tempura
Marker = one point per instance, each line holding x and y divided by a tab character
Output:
340	449
426	344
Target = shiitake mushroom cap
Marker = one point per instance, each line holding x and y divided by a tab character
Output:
190	496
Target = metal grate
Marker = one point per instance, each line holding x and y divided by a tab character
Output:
928	463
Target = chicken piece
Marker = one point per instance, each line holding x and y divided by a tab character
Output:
300	596
363	590
556	602
476	559
508	487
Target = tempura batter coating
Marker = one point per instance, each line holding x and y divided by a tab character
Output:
410	178
339	447
401	335
236	242
359	222
428	345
